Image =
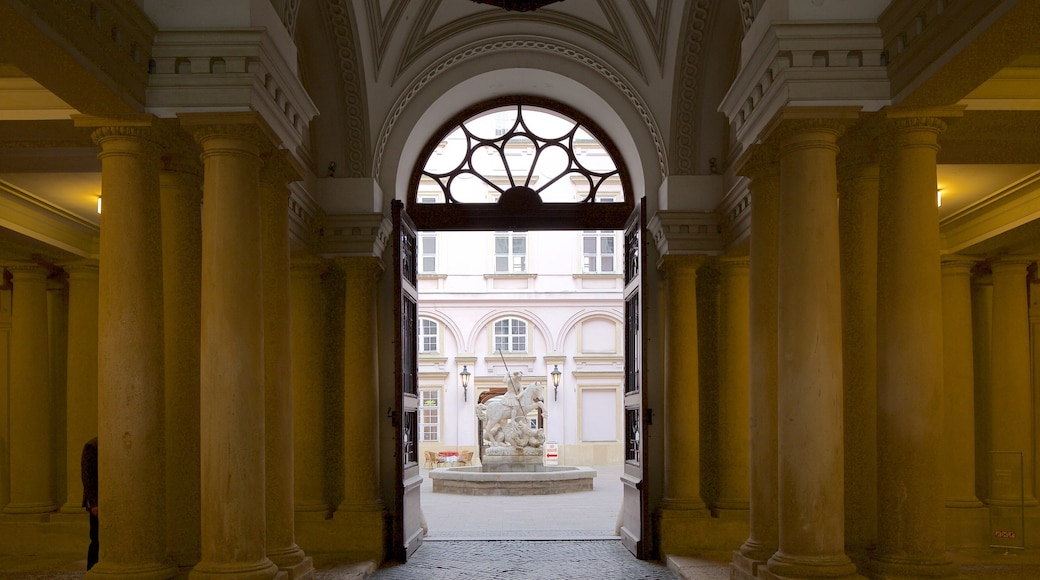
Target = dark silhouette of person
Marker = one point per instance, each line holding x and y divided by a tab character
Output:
89	472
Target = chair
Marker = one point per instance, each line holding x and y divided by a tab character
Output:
431	458
465	458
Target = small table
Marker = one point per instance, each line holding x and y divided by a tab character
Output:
449	457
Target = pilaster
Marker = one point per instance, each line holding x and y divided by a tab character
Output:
965	517
763	533
682	506
308	385
1011	417
81	393
31	393
733	401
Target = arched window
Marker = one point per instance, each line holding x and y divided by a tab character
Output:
510	335
428	336
520	163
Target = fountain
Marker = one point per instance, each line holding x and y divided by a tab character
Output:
512	462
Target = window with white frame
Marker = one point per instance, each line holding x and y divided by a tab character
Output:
428	334
511	335
428	253
430	420
597	250
510	253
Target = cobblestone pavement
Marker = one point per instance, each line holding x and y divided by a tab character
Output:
543	560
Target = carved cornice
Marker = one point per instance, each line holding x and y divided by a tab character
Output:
512	44
686	233
355	235
305	218
236	70
686	94
800	64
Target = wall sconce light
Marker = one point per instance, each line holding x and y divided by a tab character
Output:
464	375
99	205
555	374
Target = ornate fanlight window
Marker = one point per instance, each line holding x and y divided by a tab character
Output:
517	164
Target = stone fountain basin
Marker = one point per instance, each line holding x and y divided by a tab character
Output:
547	480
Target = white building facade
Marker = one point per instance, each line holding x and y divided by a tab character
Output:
492	303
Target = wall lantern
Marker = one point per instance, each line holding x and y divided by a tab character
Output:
464	375
556	381
99	205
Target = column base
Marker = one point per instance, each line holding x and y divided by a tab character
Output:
150	571
691	531
967	527
889	568
349	535
782	567
746	566
30	508
72	508
294	562
260	570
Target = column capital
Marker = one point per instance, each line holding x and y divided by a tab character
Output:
364	265
355	235
793	127
246	127
140	128
956	262
26	269
1010	263
673	263
733	262
279	170
685	232
81	269
309	263
758	161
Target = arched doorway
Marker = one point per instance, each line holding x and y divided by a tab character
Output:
471	176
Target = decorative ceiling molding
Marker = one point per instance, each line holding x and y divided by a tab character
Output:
356	137
655	25
381	28
513	44
421	38
686	95
518	5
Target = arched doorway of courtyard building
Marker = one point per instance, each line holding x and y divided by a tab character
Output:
499	175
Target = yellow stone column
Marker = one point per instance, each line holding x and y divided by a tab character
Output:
809	391
81	392
681	504
31	394
1011	417
734	386
763	535
962	530
131	437
911	502
181	204
274	213
232	362
58	333
857	229
308	385
361	500
981	331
